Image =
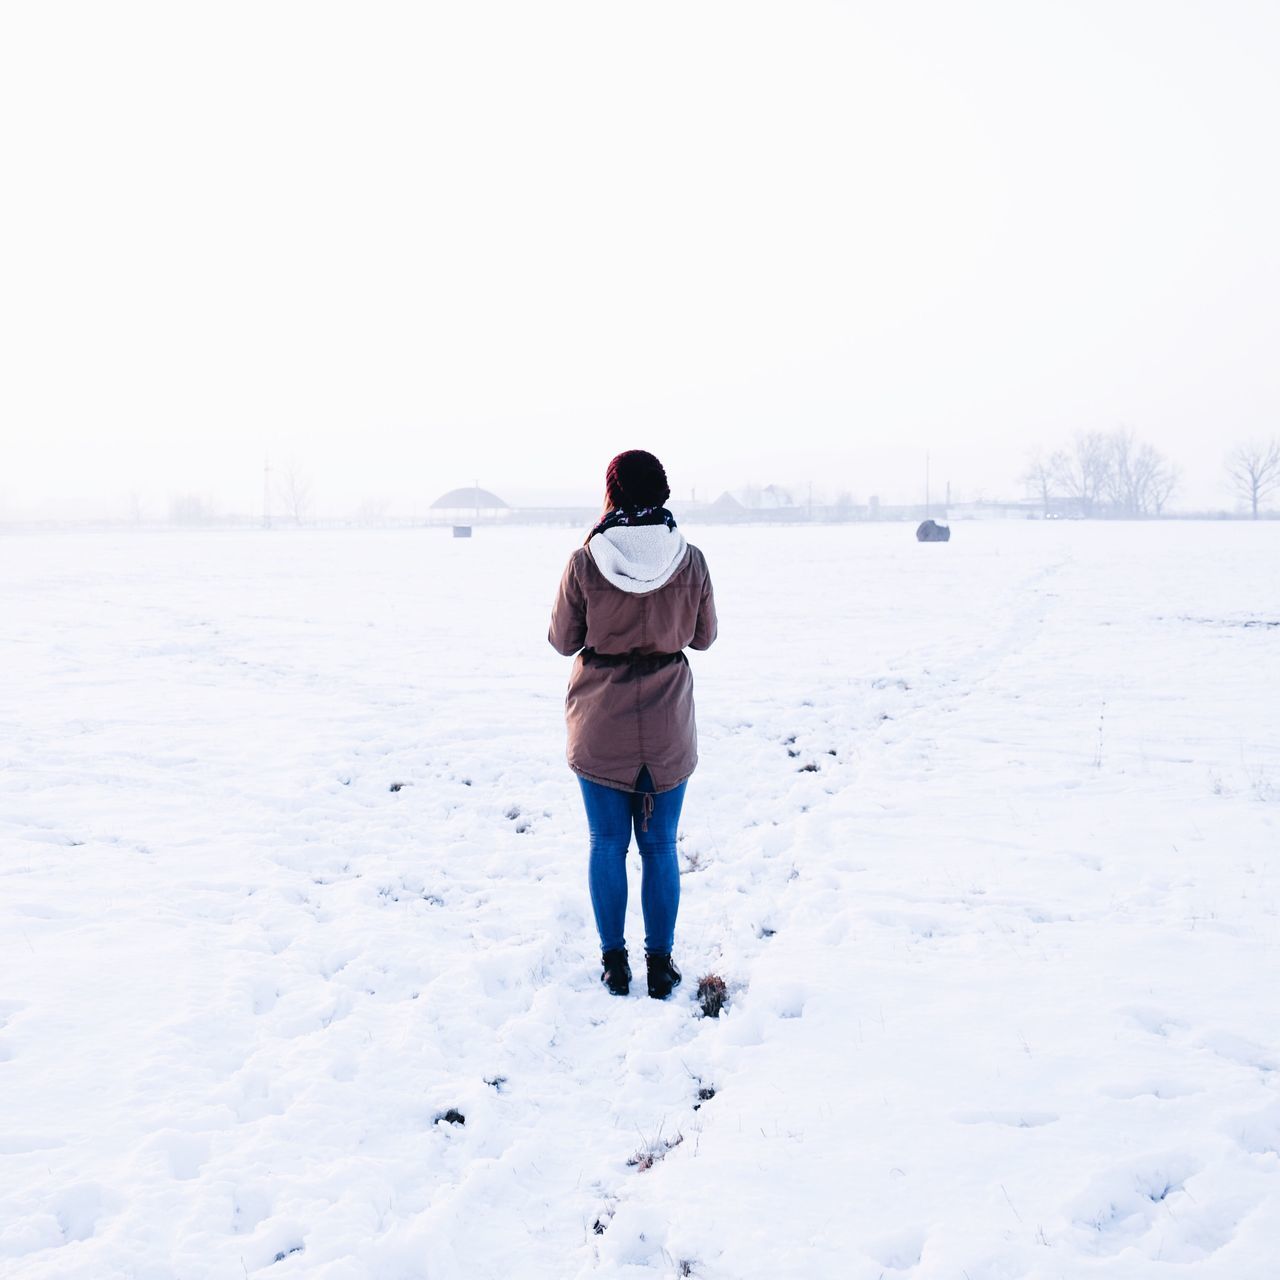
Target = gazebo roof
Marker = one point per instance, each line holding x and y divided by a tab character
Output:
469	499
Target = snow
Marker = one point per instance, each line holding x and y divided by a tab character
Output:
983	842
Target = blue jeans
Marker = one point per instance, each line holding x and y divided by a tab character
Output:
610	816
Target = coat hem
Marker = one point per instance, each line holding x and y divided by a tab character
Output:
622	786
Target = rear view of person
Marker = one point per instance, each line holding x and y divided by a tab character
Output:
632	598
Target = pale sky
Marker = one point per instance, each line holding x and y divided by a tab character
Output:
410	246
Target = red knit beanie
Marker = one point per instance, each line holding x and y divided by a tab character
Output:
635	479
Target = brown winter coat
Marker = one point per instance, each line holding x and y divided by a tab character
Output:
630	699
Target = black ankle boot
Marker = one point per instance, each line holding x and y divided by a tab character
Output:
664	977
615	971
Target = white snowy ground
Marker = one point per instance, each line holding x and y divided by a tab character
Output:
984	841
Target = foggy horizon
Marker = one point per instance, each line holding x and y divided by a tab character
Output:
327	499
416	249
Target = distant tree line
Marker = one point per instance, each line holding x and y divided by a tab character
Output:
1113	473
1103	473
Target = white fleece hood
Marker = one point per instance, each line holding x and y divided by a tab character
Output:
638	557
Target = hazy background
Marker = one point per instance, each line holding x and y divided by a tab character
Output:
412	246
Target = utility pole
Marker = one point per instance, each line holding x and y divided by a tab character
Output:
926	484
266	492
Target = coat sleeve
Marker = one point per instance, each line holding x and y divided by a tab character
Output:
568	631
706	628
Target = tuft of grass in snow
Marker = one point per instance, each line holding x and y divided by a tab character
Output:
713	995
1260	785
652	1152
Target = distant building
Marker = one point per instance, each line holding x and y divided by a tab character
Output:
773	503
984	509
725	507
774	497
471	505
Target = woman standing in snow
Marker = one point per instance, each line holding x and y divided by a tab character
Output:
633	596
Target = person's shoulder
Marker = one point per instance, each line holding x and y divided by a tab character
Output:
579	559
697	561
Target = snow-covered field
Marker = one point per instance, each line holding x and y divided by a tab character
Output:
984	841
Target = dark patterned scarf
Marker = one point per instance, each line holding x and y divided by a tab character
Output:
621	516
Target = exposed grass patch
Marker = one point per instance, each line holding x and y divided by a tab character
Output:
713	995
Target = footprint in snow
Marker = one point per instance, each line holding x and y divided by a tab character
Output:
1242	1051
1118	1209
1155	1021
1162	1089
1013	1119
1258	1133
250	1206
79	1209
900	1250
184	1153
8	1008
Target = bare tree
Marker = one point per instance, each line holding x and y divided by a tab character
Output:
1164	484
373	510
1038	477
1121	484
1254	470
294	488
1139	478
1080	471
191	508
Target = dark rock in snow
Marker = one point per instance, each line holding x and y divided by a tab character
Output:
931	531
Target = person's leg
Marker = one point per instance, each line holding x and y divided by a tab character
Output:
609	820
660	882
